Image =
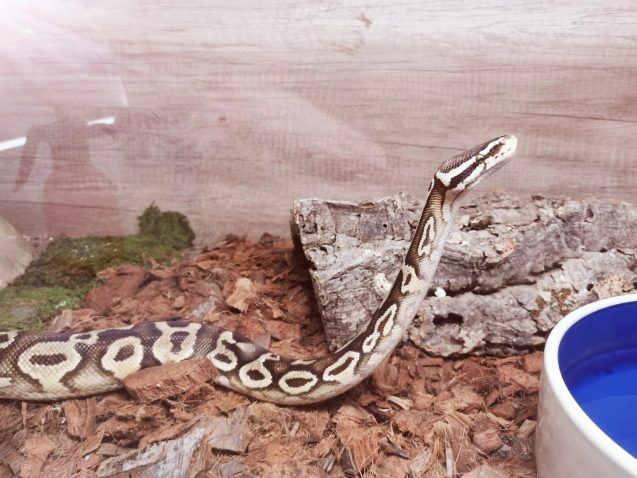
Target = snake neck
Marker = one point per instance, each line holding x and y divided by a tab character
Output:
376	341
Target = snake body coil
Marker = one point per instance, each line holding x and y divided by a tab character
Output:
52	366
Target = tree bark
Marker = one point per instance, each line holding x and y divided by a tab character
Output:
510	271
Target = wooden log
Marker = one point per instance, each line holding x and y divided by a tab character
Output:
510	271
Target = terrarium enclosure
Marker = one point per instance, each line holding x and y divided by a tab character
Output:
228	111
261	166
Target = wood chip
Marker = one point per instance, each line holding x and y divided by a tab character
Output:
327	463
449	461
182	458
465	455
492	397
61	322
419	464
430	361
5	470
80	416
391	449
488	440
359	433
415	422
463	398
503	422
10	457
527	428
404	403
351	413
85	465
111	449
229	468
485	471
477	376
179	302
243	295
121	282
511	374
212	302
347	462
314	423
504	410
168	380
227	433
533	363
422	400
409	352
91	444
283	330
36	450
390	467
168	432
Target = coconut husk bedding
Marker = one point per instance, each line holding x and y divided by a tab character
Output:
418	415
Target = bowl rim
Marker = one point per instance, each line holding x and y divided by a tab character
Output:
575	413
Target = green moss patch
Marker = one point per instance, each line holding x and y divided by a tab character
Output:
25	308
68	268
168	228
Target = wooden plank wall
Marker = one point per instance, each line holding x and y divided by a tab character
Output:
229	110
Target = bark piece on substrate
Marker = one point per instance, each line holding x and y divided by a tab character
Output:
80	417
184	457
168	380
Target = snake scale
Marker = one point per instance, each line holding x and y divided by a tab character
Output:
53	366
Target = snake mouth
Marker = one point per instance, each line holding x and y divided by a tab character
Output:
508	143
498	152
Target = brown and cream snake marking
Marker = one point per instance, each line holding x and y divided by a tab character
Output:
52	366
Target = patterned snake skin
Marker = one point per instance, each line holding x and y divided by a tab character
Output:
52	366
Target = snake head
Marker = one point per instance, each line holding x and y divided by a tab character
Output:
465	170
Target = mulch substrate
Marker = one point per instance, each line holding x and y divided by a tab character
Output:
417	416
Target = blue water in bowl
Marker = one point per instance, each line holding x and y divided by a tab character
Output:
598	360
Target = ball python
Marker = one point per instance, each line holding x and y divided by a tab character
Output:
54	366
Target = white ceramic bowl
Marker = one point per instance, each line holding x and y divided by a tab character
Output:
569	444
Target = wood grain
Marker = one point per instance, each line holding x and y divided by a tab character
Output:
228	111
